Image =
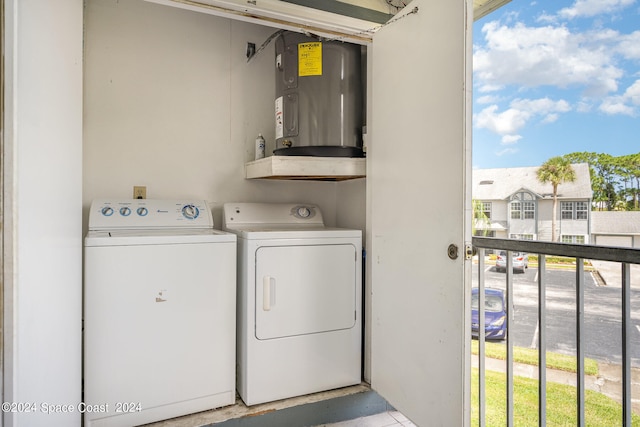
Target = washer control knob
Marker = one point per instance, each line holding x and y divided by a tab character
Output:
125	211
190	211
142	211
107	211
304	212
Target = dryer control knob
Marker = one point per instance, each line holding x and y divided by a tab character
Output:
125	211
304	212
190	212
142	211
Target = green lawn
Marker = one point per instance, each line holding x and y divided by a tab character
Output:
600	410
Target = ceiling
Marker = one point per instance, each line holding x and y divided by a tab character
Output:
347	20
381	11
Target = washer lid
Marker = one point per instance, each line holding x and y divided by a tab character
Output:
118	214
157	237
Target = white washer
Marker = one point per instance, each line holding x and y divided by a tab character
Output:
159	312
299	301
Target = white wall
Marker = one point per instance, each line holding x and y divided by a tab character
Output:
614	240
43	199
522	226
171	103
500	210
545	215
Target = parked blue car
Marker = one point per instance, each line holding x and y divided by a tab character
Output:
495	314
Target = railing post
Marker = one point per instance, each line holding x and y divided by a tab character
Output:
626	336
481	341
579	341
509	361
542	341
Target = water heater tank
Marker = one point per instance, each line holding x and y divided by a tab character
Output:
319	101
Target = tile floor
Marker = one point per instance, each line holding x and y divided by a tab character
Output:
384	419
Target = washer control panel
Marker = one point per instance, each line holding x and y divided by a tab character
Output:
108	214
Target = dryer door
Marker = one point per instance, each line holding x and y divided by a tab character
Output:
305	289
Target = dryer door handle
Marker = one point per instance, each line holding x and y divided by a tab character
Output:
268	292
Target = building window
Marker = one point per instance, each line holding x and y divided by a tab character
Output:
486	209
529	210
522	236
522	206
574	210
567	238
482	210
485	233
582	210
516	208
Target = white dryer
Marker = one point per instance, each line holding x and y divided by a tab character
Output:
159	312
299	301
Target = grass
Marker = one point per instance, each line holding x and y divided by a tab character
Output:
529	356
550	260
600	410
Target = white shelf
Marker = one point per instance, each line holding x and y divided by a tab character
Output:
306	167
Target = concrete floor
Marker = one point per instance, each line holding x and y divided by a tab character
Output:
384	419
358	404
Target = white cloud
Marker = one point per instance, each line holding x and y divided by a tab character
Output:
544	107
588	8
505	123
583	107
615	105
547	19
625	104
546	56
509	122
487	99
541	106
507	151
490	88
633	93
629	46
510	139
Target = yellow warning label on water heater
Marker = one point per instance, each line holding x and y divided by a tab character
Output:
310	59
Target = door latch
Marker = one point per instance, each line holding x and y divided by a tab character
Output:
469	251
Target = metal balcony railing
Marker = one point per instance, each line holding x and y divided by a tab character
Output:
543	249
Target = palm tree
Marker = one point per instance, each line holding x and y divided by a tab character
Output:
556	170
481	222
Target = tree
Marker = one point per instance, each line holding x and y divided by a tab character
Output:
556	170
604	177
481	222
615	181
628	168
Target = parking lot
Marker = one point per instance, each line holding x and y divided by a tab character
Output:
602	311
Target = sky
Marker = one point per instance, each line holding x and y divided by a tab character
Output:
552	77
